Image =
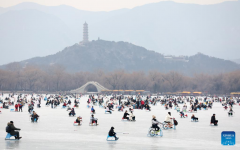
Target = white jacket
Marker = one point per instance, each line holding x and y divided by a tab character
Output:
131	115
168	118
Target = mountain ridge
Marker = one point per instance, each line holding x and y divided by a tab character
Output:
110	56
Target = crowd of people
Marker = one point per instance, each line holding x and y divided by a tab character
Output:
120	103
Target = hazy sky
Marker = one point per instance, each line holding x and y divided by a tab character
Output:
103	5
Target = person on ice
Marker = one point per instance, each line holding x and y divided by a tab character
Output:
131	116
16	107
11	129
78	120
182	114
69	102
112	133
125	115
34	116
72	112
230	112
120	108
93	110
194	118
178	109
20	105
92	120
148	107
168	120
108	110
225	107
213	120
155	123
76	104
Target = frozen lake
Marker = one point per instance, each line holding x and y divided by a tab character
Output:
55	129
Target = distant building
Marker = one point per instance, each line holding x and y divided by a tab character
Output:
174	58
85	33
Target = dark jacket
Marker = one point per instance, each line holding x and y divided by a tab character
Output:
125	115
12	128
34	116
213	119
72	111
111	132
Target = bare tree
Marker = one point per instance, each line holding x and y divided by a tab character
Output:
174	79
113	79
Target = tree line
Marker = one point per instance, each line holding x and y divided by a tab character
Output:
55	79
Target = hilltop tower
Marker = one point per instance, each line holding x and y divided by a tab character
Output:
85	32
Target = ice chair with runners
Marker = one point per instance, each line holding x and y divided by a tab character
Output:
152	132
8	137
76	123
72	115
194	120
35	120
111	138
213	124
93	123
108	112
124	119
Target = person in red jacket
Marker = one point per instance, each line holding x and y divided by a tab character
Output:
142	104
16	107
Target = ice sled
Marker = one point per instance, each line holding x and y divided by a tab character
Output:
110	138
212	124
92	124
124	119
63	107
75	106
35	120
72	115
76	124
12	110
9	136
194	120
106	112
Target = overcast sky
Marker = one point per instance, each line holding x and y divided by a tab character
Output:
103	5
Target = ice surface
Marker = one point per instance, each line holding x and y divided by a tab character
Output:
55	129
